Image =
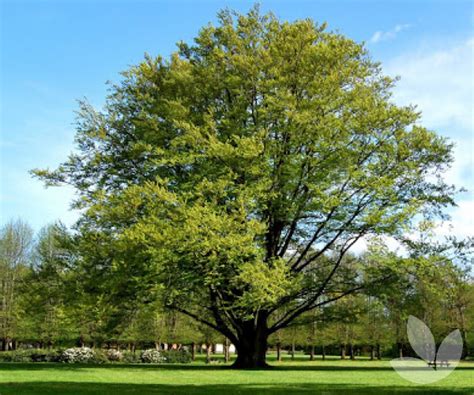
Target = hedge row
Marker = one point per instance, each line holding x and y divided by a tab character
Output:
95	356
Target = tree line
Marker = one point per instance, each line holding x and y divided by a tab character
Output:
46	303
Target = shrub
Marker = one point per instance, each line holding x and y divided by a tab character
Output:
131	357
99	357
21	356
31	355
176	356
46	356
151	356
6	356
114	355
78	355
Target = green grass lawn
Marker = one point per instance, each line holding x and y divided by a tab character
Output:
300	376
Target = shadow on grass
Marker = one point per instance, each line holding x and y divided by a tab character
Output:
56	388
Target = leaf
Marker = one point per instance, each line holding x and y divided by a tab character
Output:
421	339
451	348
416	371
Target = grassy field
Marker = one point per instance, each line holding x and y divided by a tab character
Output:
300	376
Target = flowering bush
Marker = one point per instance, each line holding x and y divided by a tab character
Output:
114	355
151	356
78	355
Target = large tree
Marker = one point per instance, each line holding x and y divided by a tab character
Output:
232	178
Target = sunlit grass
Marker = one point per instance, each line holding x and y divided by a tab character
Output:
332	376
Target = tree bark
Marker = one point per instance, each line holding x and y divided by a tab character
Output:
226	350
208	352
372	353
379	354
252	345
465	348
324	352
400	350
351	351
251	354
343	351
278	352
311	353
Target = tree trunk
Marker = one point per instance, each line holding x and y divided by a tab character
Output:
193	351
465	348
293	350
278	352
208	352
251	354
324	352
252	345
226	350
400	350
351	351
372	353
379	353
313	336
343	351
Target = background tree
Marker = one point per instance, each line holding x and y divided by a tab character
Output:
44	291
16	239
205	171
375	326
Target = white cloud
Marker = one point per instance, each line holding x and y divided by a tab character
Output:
462	223
461	174
392	244
388	35
440	81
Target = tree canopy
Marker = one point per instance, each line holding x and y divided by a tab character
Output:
232	179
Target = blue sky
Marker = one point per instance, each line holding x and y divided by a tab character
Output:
55	52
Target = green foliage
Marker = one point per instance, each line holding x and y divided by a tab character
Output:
131	357
176	356
16	240
31	355
233	177
45	290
